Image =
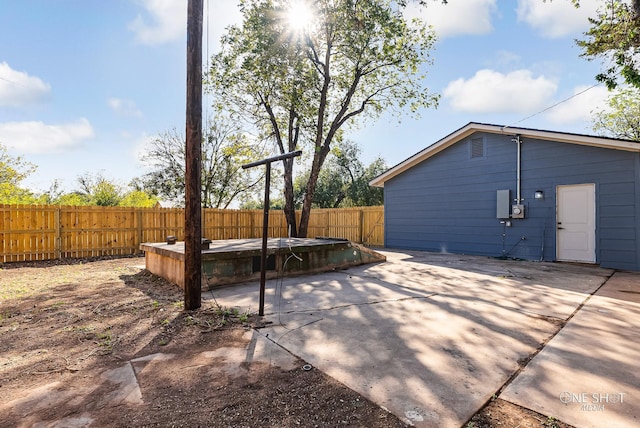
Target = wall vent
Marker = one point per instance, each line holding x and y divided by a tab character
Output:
477	148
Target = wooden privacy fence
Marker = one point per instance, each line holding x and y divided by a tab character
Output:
41	232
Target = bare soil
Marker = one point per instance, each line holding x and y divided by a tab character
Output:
64	323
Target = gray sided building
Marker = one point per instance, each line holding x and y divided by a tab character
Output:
518	193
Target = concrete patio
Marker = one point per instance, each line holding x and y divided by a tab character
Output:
433	337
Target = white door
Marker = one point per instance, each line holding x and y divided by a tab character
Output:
576	223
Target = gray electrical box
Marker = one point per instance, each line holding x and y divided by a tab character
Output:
503	203
517	211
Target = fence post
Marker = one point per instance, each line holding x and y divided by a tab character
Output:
238	233
163	222
361	227
252	223
138	213
203	230
58	237
327	231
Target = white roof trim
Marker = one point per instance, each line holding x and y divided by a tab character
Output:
465	131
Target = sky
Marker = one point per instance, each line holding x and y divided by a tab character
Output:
85	85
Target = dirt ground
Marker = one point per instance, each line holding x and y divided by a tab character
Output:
63	322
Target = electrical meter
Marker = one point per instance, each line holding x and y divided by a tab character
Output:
517	211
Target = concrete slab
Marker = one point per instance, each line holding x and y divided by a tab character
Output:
431	337
547	289
433	361
588	374
127	390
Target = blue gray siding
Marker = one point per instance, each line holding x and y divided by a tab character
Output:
448	202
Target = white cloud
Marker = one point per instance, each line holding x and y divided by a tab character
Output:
18	89
166	22
557	18
457	17
581	106
38	137
124	108
489	91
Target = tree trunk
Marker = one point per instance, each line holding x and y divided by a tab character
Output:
338	200
318	161
289	206
306	204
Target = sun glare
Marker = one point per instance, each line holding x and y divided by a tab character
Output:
299	15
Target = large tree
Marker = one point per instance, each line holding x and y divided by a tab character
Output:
224	150
621	118
614	37
302	72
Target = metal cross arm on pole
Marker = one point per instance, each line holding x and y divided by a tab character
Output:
265	222
272	159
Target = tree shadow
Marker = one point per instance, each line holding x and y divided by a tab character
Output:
430	336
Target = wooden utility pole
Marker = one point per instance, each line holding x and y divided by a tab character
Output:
265	220
193	156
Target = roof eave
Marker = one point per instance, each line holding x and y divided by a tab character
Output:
473	127
433	149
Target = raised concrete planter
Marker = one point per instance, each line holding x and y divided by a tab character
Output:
238	260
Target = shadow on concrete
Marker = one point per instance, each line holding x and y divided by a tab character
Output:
431	337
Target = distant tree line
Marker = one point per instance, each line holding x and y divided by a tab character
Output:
225	148
91	189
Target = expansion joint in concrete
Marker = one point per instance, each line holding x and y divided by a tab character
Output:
544	343
349	305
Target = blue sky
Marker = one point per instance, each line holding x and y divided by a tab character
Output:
85	84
